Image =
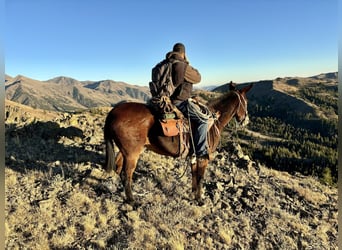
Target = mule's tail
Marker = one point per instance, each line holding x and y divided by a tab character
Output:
110	156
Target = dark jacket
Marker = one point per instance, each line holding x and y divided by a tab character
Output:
183	77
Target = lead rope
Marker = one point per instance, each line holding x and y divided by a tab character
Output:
236	137
181	176
192	158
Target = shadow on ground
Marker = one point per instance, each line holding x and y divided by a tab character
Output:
47	147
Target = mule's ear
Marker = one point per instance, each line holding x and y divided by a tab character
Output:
232	86
246	89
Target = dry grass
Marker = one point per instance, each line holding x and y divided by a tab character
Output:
60	198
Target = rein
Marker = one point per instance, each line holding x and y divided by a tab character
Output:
245	119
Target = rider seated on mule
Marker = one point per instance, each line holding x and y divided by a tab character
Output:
183	77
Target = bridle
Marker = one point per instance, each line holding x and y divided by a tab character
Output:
243	104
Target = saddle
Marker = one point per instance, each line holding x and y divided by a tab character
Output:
171	126
173	123
174	127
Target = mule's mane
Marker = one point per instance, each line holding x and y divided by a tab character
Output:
217	103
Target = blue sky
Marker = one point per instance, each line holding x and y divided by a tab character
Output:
238	40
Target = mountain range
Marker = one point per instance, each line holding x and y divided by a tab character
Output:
68	94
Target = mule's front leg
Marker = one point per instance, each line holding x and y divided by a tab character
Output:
201	166
194	176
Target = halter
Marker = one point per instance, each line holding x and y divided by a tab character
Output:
242	123
245	120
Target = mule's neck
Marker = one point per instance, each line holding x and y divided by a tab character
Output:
227	110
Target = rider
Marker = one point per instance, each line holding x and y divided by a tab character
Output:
183	77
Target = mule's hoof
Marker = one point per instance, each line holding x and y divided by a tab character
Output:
200	202
134	204
129	201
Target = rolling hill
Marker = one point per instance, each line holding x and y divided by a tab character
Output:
291	95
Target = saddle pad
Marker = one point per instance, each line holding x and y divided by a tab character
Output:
171	127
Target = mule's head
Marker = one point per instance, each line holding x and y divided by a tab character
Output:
241	115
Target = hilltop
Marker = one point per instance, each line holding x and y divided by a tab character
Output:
301	95
58	196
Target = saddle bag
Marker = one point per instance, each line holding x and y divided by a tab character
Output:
171	127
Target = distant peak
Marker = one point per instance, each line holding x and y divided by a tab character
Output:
63	80
22	77
19	76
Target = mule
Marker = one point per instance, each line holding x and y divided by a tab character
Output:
132	126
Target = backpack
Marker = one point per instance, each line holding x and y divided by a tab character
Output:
161	84
161	88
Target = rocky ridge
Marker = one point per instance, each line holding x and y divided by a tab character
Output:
58	196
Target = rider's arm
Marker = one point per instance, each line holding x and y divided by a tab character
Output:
192	75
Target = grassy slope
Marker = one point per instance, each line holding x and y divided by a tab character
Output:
58	197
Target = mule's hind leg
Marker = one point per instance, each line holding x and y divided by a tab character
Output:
119	163
130	163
